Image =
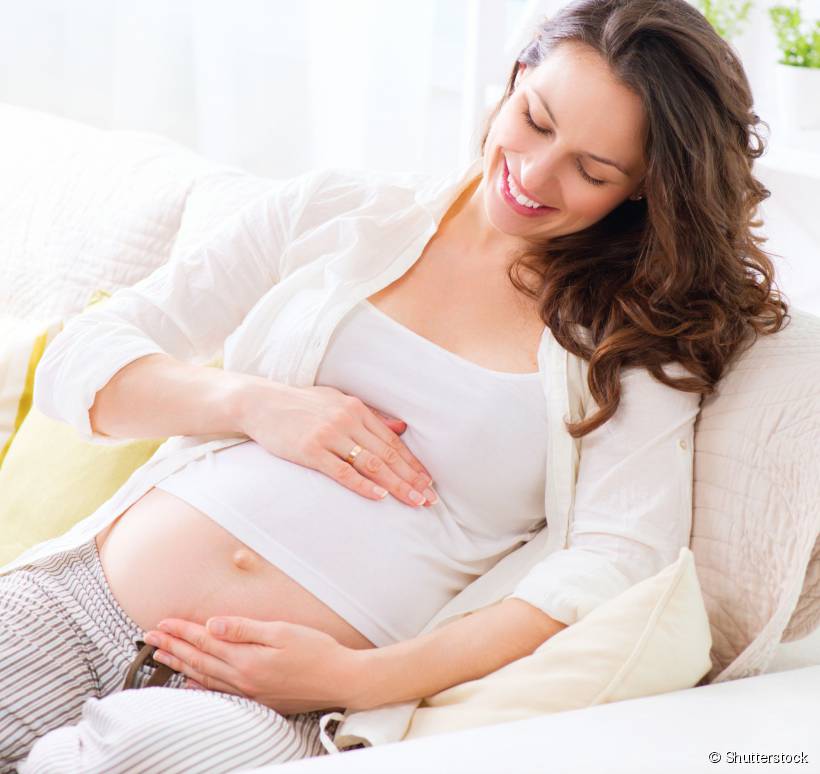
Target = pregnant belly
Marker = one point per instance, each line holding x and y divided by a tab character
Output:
163	558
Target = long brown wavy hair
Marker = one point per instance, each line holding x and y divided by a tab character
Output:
677	276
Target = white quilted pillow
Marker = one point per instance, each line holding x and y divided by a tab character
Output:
756	513
86	209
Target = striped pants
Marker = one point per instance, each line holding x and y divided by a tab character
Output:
65	647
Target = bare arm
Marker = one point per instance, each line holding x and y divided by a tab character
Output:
185	309
157	396
465	649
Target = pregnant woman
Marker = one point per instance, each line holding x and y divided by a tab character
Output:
388	432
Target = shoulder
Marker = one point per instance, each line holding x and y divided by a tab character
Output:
649	408
373	179
319	196
341	184
352	186
639	380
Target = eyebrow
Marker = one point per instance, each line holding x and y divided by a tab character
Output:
583	153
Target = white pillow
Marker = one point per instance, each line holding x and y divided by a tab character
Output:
83	208
651	639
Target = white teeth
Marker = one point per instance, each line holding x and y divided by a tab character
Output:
519	197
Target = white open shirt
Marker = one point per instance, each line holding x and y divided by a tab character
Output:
618	503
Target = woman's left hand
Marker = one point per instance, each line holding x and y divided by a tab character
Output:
288	667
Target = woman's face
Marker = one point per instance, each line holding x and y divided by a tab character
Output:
554	164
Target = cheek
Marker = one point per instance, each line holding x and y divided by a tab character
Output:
508	133
588	202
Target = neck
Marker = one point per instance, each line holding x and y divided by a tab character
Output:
466	224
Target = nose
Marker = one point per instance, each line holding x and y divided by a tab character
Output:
539	177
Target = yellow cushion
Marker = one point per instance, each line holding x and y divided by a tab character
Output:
22	343
653	638
52	478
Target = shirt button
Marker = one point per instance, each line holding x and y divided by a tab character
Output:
682	443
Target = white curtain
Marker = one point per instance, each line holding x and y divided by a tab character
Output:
273	86
277	87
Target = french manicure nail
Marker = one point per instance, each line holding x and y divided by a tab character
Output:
431	496
416	497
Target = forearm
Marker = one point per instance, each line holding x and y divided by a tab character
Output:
465	649
157	396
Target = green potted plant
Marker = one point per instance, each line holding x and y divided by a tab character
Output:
728	17
798	72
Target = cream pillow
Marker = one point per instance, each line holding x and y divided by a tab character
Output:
651	639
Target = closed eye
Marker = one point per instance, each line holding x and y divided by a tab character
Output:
541	130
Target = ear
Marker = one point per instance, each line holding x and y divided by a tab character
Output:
521	69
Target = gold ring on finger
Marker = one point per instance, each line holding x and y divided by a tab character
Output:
353	453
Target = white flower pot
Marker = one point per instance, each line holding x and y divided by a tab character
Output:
798	99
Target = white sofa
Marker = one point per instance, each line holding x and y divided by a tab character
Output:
83	209
673	733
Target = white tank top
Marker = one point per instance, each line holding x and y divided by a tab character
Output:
382	565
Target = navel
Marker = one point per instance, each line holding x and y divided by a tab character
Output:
243	558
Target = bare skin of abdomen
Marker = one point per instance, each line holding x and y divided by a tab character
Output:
163	558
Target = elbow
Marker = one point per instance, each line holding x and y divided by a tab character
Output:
538	624
42	397
570	583
93	418
62	389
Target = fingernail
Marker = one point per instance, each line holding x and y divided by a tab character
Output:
380	491
430	495
416	497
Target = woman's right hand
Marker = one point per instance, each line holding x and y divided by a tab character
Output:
317	426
